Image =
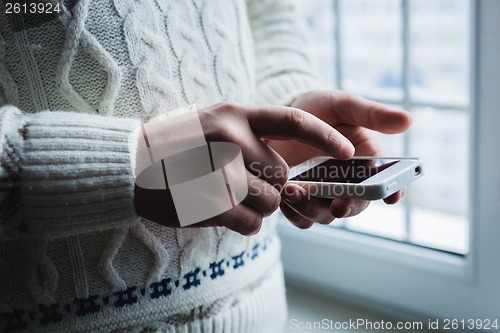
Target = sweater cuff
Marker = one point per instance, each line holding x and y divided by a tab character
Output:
283	89
77	174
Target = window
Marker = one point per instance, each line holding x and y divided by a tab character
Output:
414	55
435	254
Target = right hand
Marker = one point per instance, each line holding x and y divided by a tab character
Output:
247	126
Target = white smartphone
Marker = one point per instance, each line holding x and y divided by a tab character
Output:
365	178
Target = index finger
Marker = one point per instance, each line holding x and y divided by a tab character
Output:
284	123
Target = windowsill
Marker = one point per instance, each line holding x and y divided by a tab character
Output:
306	306
430	228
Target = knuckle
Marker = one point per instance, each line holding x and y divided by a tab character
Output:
347	97
229	122
278	165
253	186
280	177
227	106
265	198
332	139
252	226
351	100
230	133
273	203
295	118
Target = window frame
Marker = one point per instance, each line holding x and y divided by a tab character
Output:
411	279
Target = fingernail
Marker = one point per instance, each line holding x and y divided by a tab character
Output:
349	150
292	197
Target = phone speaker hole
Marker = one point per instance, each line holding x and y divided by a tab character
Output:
417	171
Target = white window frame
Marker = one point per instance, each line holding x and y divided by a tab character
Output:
409	280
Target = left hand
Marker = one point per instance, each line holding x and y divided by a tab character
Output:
352	116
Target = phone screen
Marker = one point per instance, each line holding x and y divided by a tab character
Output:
345	171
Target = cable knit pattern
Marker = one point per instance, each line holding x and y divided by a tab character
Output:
74	257
192	253
77	260
106	268
191	58
41	274
159	253
220	42
77	36
7	83
149	53
284	69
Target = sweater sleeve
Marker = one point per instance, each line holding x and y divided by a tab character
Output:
284	68
64	173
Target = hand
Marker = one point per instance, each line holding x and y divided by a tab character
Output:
246	126
352	116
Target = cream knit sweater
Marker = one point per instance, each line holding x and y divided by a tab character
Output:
74	256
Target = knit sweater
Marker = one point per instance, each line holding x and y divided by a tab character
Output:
74	256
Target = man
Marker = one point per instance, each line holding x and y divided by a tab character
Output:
83	251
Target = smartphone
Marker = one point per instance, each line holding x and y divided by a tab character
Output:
365	178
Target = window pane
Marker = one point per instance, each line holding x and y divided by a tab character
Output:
439	50
320	20
440	138
439	200
370	33
380	220
392	145
439	230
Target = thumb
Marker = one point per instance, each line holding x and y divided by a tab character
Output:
357	111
